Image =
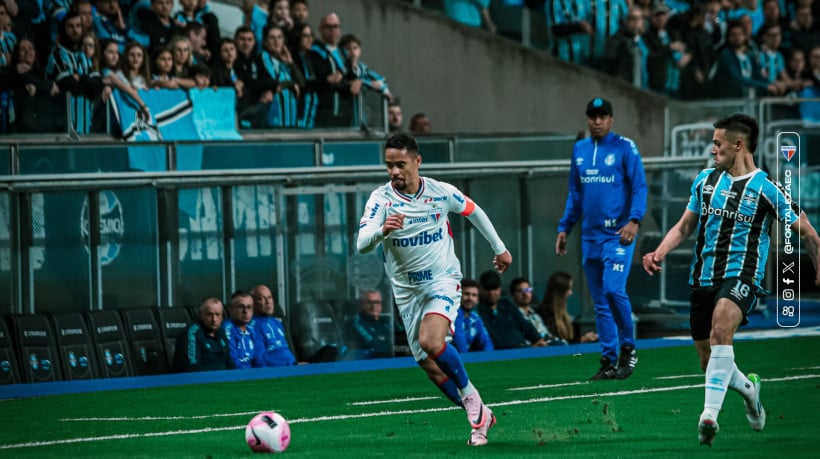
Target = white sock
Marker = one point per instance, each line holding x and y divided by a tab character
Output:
719	372
740	383
467	390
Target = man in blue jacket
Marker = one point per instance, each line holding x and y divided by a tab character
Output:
607	186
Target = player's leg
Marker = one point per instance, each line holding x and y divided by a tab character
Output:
604	322
446	385
617	263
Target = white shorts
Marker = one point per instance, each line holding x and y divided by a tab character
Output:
442	297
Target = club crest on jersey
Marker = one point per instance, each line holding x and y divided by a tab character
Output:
435	213
788	151
610	159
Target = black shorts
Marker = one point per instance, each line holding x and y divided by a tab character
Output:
704	299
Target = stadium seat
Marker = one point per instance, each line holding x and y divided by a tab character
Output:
172	321
110	343
35	342
9	369
75	346
147	347
314	328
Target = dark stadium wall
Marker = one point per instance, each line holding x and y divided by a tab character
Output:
469	81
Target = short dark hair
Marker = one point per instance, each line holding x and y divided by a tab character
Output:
243	29
402	141
348	39
489	280
740	124
515	282
468	283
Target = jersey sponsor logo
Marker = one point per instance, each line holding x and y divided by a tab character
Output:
414	220
419	277
728	194
598	179
435	214
435	199
723	213
445	299
374	210
423	238
610	222
458	198
592	171
610	159
394	204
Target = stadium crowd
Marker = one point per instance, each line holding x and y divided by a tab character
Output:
286	73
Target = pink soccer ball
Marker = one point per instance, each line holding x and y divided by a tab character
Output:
268	432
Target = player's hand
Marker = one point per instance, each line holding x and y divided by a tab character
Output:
561	244
502	261
393	222
627	233
651	263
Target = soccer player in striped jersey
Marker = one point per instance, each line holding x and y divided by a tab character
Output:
731	209
408	217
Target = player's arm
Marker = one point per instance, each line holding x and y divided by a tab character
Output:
479	219
810	241
679	233
371	231
572	208
637	181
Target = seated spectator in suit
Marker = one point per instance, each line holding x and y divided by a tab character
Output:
369	332
553	310
277	351
203	346
470	333
245	344
507	327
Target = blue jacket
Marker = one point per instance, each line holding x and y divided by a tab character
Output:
276	352
246	348
470	333
606	185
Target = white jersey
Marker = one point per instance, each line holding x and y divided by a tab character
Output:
422	251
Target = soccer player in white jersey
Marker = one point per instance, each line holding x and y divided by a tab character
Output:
408	217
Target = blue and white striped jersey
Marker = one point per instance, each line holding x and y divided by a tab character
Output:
736	215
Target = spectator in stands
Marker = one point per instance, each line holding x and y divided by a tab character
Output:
796	69
201	74
206	17
748	27
474	13
606	19
84	9
507	327
71	73
521	293
198	37
109	23
369	332
224	74
181	52
714	21
33	95
284	77
260	14
420	124
737	69
110	71
771	60
8	40
334	92
156	23
245	343
694	78
667	53
299	12
203	345
772	16
553	310
470	333
357	69
627	53
803	33
303	36
134	67
162	75
253	110
28	21
394	117
812	73
571	28
277	350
